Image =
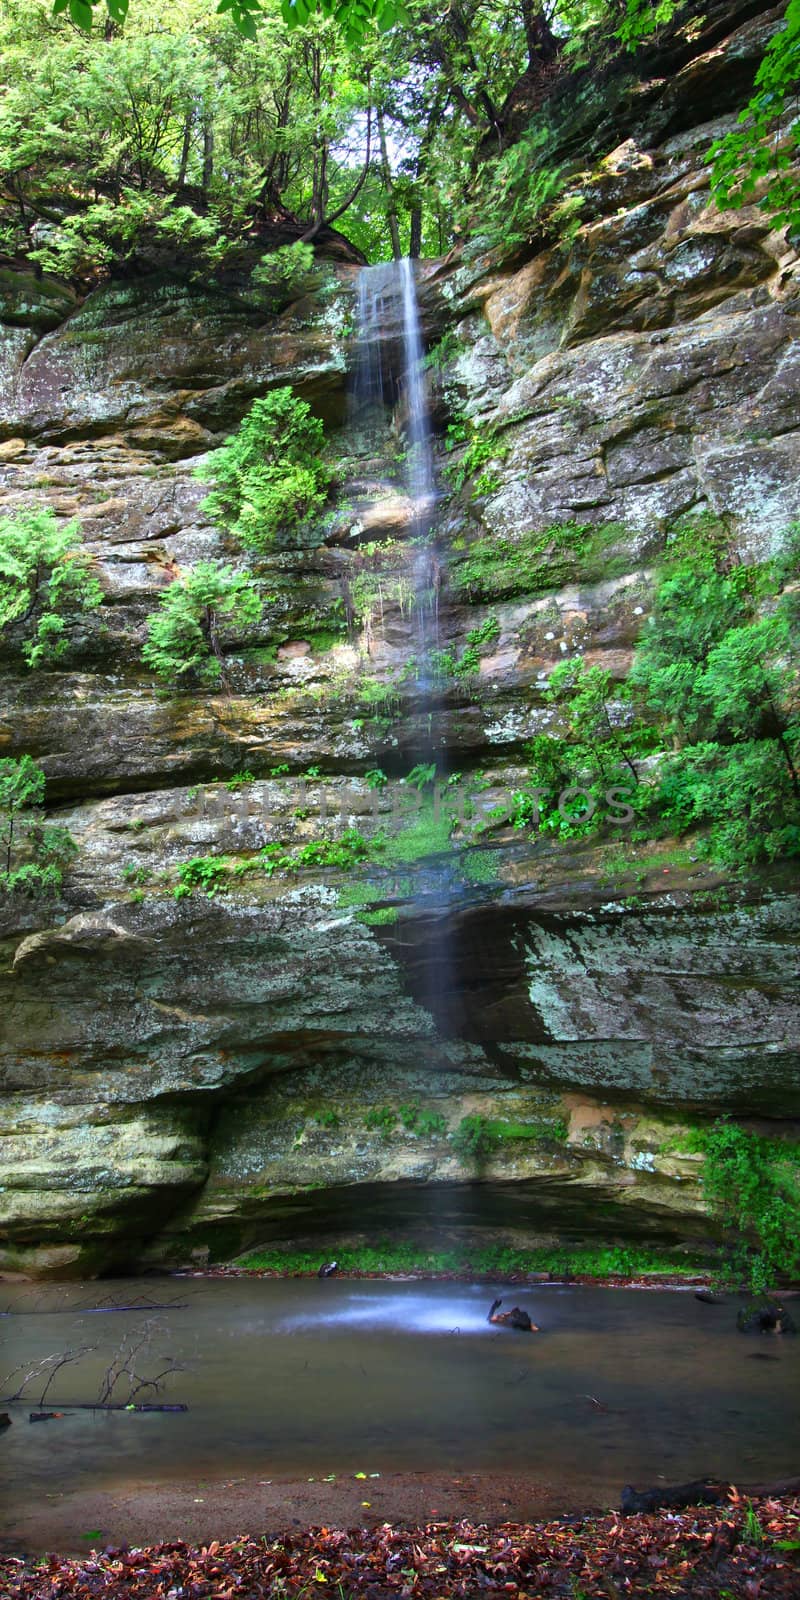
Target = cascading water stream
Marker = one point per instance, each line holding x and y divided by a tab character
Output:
390	379
389	376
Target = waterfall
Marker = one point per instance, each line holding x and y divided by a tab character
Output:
420	463
389	382
389	378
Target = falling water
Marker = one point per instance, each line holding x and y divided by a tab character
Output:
420	463
389	381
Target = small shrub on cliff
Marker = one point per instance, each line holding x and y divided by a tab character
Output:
269	477
185	635
46	582
45	850
716	666
753	1185
474	1139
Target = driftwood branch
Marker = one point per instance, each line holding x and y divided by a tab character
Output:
123	1370
49	1365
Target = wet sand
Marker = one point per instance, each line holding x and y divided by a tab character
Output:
198	1510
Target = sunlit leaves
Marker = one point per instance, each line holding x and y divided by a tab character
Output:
354	17
757	160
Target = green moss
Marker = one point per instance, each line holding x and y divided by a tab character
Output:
541	1130
536	562
428	834
383	916
399	1255
480	866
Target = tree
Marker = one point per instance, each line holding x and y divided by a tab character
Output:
49	849
186	634
269	476
758	158
46	583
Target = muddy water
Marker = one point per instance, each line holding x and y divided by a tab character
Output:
301	1379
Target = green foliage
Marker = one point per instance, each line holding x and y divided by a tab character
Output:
327	1117
381	1119
757	160
156	134
269	477
519	188
186	634
421	776
135	873
479	639
753	1184
752	1531
644	18
427	834
714	686
376	778
379	580
422	1122
202	872
594	755
284	268
481	448
238	779
716	666
348	851
356	18
480	866
474	1139
400	1255
532	562
541	1130
46	583
46	849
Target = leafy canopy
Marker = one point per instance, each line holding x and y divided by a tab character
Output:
46	583
269	476
186	634
354	17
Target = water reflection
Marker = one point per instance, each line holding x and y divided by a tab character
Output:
300	1378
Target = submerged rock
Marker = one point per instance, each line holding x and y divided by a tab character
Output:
764	1317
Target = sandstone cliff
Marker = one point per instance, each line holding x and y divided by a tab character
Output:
196	1075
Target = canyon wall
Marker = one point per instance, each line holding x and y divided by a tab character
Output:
289	1057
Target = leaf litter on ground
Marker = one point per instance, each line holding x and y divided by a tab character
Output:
697	1554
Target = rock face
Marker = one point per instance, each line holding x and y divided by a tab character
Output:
292	1056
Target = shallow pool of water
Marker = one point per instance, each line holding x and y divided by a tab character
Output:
301	1378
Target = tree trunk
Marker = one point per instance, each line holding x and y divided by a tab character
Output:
185	149
208	157
539	37
391	198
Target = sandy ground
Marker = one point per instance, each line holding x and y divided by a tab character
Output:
146	1513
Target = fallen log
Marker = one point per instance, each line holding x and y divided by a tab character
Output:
701	1492
672	1497
90	1405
